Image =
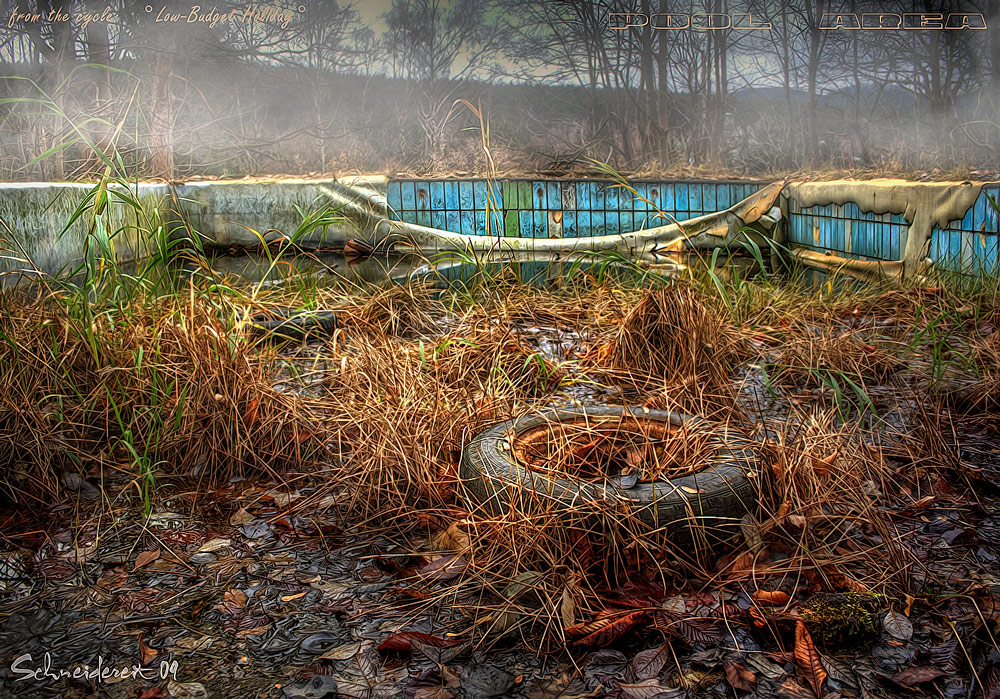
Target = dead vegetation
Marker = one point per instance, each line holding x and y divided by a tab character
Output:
638	450
171	391
809	355
412	377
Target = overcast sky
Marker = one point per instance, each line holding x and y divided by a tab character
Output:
372	11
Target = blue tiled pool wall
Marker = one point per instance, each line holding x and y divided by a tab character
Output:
556	208
577	208
846	231
967	245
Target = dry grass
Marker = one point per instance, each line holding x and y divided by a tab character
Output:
980	388
670	335
393	311
647	450
826	486
175	392
809	354
403	392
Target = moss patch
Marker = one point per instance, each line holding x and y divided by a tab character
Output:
843	619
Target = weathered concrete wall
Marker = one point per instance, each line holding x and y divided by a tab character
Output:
875	220
33	216
893	221
33	231
240	212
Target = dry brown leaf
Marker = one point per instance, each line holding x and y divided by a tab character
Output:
604	631
808	660
241	516
740	677
771	598
146	654
454	538
145	558
257	631
567	607
822	466
234	598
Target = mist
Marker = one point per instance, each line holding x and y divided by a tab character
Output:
180	90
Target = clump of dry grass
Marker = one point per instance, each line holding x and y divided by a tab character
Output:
675	347
808	355
173	391
826	494
670	334
394	310
403	410
978	387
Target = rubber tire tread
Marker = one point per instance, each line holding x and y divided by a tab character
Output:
719	495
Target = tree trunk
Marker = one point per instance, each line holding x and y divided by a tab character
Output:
815	37
162	117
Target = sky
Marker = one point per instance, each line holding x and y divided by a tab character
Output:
371	12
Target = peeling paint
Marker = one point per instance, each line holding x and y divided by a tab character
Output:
923	205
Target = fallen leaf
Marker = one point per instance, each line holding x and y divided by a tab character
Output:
822	466
312	688
187	690
897	625
145	558
913	676
289	598
567	607
434	693
256	631
436	654
146	654
790	689
758	618
808	660
841	581
525	582
566	686
444	568
213	545
112	578
646	689
604	631
454	538
771	598
739	676
241	516
235	599
694	630
482	680
752	532
648	664
370	574
402	641
344	652
797	521
189	644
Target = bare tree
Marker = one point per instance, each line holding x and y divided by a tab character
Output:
435	44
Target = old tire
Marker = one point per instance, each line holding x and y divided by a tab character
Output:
711	502
287	324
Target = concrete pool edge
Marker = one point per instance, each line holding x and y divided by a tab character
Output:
889	221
